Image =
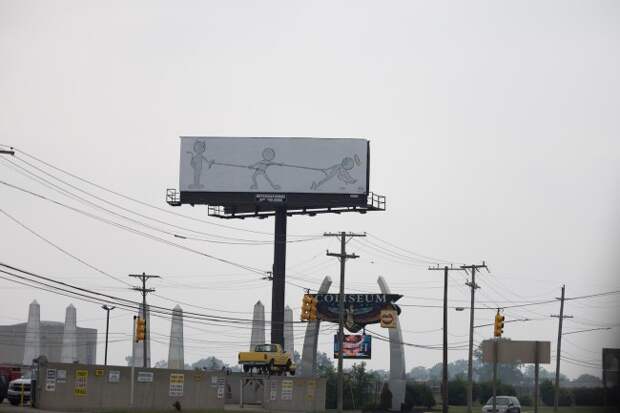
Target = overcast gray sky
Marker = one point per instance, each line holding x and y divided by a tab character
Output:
494	135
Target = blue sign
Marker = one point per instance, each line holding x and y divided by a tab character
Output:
355	346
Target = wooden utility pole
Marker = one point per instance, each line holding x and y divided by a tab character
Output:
144	291
444	375
561	316
470	367
343	256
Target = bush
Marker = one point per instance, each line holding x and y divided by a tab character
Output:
547	392
526	400
588	396
485	391
457	392
418	394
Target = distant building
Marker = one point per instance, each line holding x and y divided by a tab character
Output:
46	338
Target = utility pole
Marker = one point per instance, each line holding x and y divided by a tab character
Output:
343	256
144	291
444	375
561	316
107	326
470	367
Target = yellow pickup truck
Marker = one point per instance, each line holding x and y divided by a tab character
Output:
267	359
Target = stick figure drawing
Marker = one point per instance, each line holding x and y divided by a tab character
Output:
340	171
260	168
198	159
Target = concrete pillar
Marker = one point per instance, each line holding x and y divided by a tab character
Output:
175	352
258	326
138	348
397	380
68	352
311	340
289	340
32	342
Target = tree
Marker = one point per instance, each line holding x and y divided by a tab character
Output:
161	364
419	373
587	380
209	363
324	364
360	385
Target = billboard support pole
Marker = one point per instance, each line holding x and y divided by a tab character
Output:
279	278
343	257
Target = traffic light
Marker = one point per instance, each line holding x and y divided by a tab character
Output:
314	314
140	329
306	305
499	325
308	308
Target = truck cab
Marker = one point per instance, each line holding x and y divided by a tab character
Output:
268	359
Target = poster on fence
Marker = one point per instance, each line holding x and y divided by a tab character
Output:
310	389
81	381
176	384
50	380
287	390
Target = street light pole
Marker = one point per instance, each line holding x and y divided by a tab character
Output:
107	327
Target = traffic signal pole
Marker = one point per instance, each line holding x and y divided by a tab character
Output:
144	277
343	256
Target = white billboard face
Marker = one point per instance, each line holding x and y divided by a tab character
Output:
274	165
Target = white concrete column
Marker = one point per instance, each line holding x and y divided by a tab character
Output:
68	352
176	351
258	326
398	379
32	342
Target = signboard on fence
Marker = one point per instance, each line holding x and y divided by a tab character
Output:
356	346
145	377
81	382
308	172
177	380
286	390
509	351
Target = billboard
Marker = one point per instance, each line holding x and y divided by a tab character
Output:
514	351
356	346
304	172
360	309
